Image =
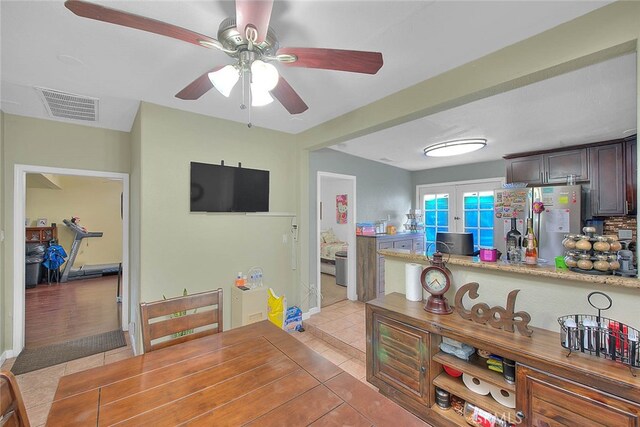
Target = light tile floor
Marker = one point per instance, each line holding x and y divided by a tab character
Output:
39	387
337	333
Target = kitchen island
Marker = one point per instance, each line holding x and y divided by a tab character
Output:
545	293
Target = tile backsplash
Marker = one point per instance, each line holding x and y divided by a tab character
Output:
614	223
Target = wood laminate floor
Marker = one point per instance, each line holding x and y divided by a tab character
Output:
61	312
331	292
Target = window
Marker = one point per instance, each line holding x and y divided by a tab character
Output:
436	215
478	217
459	207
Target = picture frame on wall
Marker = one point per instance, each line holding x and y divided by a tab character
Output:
42	222
341	208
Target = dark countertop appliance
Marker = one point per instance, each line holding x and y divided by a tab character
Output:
456	243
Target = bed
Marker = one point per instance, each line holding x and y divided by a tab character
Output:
329	245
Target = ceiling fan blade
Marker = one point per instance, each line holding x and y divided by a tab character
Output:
256	13
113	16
198	87
355	61
288	97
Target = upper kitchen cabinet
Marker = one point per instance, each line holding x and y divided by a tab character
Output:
631	166
549	167
614	171
608	180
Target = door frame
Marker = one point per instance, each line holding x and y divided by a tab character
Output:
351	250
455	189
19	212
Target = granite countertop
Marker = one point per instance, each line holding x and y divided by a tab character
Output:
531	270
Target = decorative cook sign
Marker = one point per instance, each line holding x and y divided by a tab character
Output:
497	317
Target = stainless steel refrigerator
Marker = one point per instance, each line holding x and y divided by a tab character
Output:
561	215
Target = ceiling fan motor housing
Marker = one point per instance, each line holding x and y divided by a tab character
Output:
233	39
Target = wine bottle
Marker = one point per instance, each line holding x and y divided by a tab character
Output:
514	241
525	238
531	254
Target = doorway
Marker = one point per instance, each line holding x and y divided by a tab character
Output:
464	206
336	234
98	252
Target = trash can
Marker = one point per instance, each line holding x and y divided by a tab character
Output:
341	268
33	264
33	272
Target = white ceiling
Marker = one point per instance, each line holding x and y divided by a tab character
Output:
44	44
595	103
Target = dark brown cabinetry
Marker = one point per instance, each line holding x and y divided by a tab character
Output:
609	167
549	168
631	172
400	367
552	388
40	234
370	265
548	400
608	180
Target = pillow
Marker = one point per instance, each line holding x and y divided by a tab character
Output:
328	236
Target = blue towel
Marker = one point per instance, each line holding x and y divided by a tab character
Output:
54	257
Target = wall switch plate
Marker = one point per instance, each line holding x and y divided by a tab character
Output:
625	234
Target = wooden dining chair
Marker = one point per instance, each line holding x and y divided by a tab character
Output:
176	320
12	410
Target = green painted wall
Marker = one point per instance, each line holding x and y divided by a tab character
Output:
492	169
29	141
3	227
201	251
381	190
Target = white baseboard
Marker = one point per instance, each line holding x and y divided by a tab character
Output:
311	312
132	337
8	354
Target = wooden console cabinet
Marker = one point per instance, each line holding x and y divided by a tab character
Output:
551	388
370	265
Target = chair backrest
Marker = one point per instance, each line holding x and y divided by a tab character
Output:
180	319
12	409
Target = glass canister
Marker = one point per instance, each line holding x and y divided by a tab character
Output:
443	399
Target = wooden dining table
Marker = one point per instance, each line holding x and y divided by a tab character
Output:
255	375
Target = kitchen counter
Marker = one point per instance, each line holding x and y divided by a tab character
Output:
544	293
535	270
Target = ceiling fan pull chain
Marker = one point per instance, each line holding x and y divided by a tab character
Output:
243	105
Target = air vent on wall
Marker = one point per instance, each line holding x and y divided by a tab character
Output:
69	106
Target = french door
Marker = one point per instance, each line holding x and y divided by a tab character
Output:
459	207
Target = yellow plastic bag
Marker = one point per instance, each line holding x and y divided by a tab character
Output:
276	306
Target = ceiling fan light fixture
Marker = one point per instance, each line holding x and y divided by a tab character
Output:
225	79
259	96
455	148
264	75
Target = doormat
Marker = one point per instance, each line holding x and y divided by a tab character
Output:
31	359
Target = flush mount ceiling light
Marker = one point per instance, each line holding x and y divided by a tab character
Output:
454	148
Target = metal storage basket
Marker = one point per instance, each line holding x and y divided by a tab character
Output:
600	336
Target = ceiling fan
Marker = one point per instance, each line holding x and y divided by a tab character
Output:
253	45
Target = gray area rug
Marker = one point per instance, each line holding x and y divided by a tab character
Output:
37	358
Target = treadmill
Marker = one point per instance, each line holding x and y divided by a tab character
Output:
86	271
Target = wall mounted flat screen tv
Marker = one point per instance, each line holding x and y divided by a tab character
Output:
217	188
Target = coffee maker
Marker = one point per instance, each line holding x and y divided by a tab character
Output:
625	258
